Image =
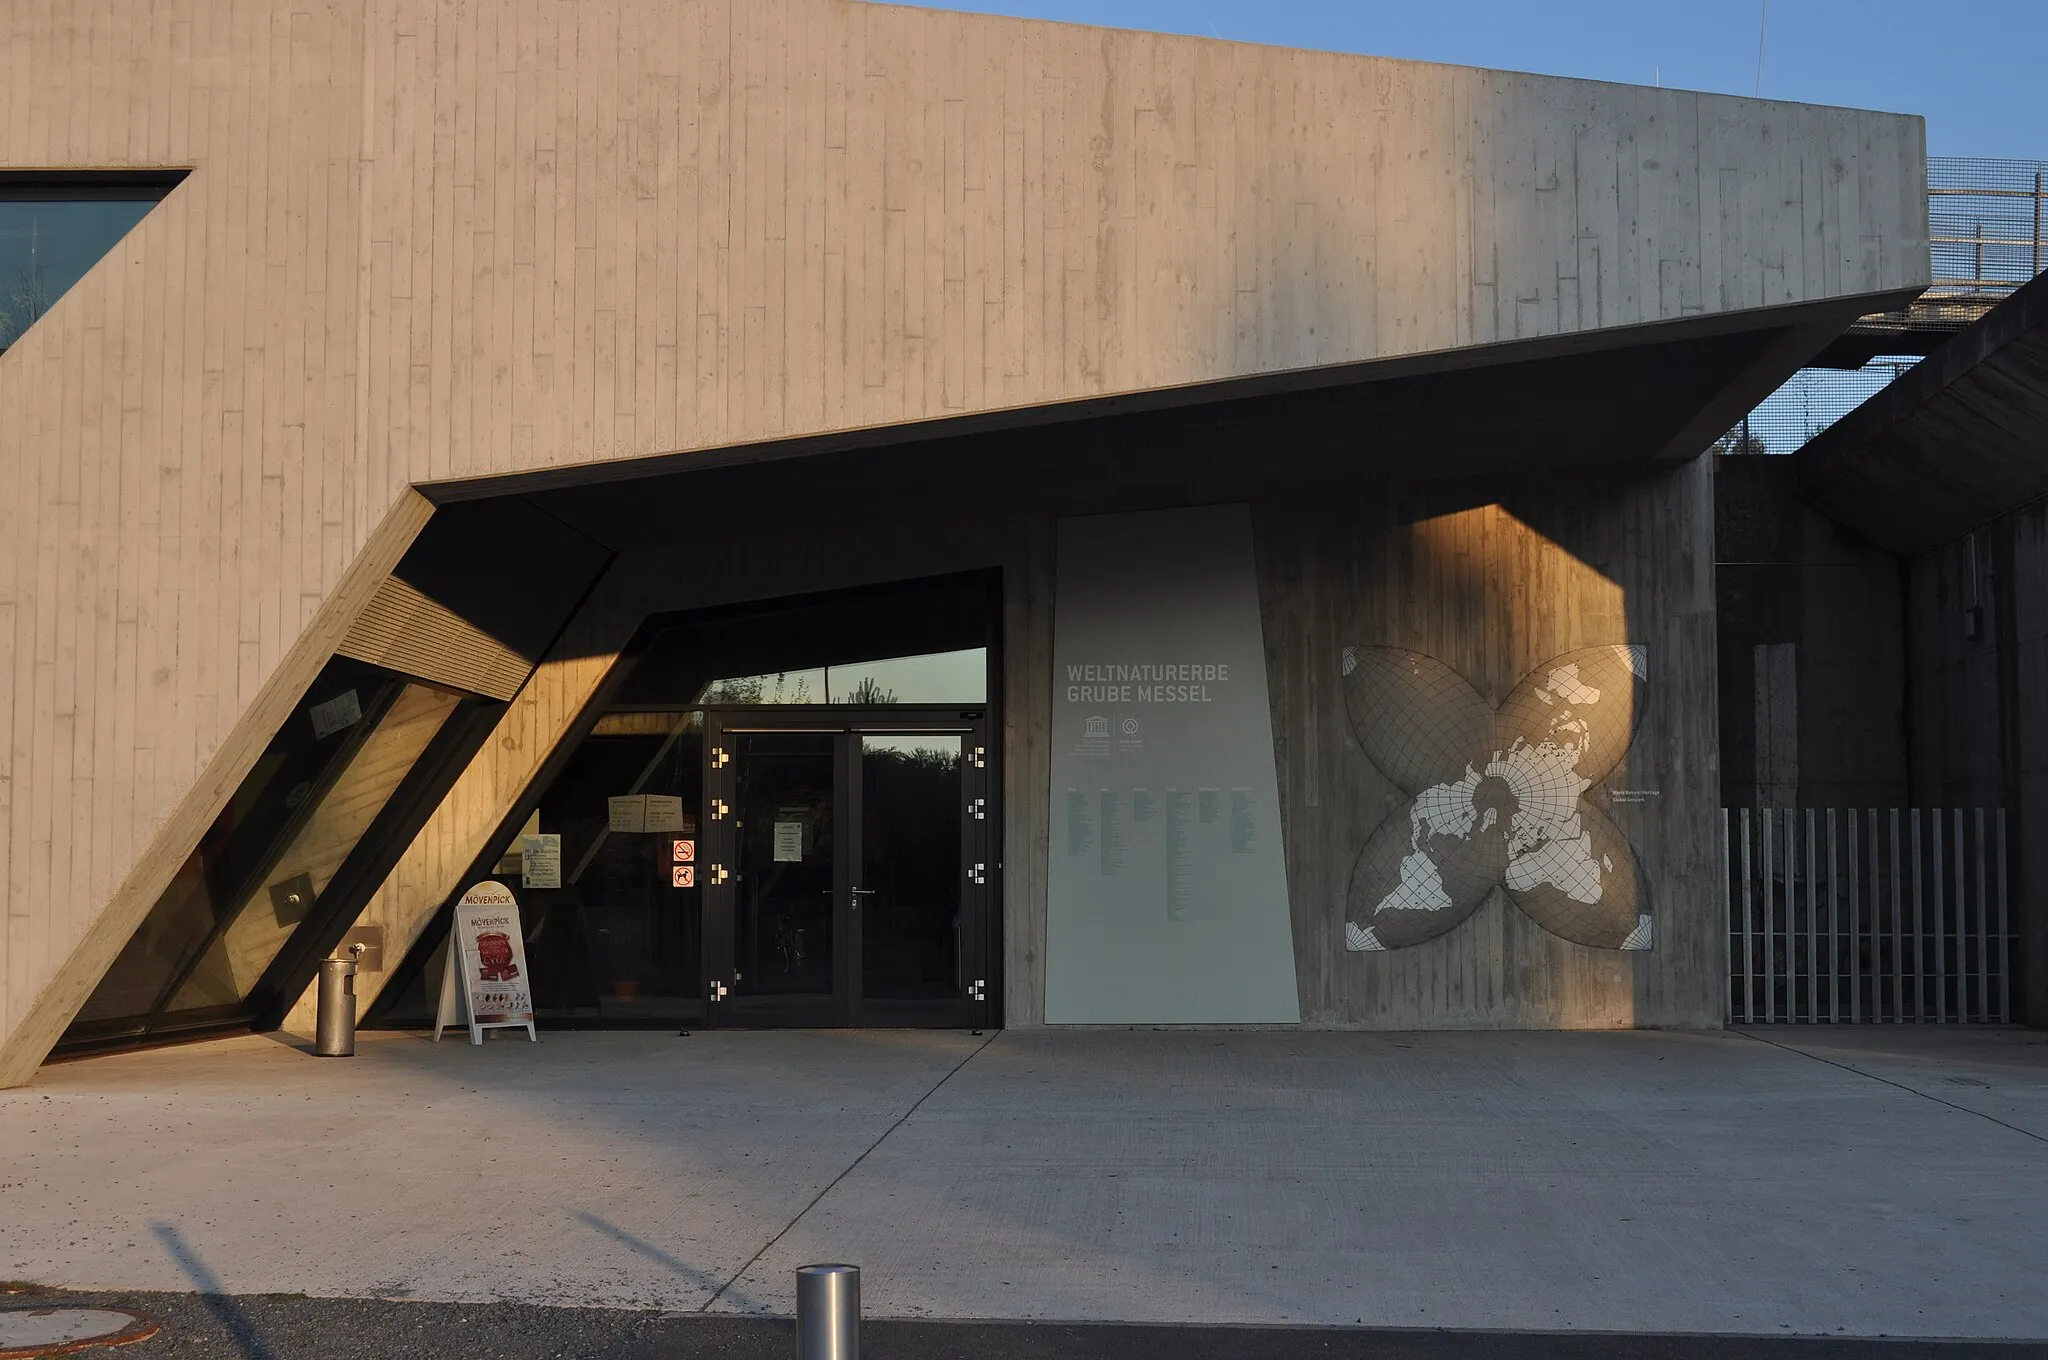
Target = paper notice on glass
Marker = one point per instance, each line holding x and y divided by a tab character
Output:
664	813
540	860
789	842
628	812
343	710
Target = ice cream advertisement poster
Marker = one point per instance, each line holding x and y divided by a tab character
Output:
487	977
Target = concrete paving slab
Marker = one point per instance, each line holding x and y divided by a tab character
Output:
2000	1073
623	1169
1618	1181
1646	1183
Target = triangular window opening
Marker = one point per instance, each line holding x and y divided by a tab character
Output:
55	227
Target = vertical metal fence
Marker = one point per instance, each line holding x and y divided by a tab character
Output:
1854	915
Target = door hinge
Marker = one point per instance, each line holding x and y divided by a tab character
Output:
717	873
978	809
719	809
978	757
977	873
977	990
720	758
717	991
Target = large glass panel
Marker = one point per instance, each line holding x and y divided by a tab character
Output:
781	687
210	887
47	244
267	915
618	937
911	865
916	642
959	677
782	937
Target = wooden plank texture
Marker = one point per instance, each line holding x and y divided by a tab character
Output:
425	240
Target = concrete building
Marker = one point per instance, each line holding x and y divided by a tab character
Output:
1884	624
864	515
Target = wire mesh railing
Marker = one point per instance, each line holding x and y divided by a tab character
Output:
1987	236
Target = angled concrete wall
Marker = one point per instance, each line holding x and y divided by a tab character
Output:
424	242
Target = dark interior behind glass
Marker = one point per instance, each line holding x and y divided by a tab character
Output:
618	942
204	955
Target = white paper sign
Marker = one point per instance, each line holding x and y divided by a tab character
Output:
485	985
627	813
664	813
789	842
343	710
540	860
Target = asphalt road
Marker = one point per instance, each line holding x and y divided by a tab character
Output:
288	1327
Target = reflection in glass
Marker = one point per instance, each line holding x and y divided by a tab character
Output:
619	939
958	677
47	245
783	687
783	935
267	915
288	782
911	865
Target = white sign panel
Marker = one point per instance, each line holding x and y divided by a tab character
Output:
1167	881
486	982
664	813
540	860
626	813
343	710
789	842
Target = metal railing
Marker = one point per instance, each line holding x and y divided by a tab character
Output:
1987	236
1855	915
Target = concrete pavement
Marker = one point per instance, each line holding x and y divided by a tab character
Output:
1853	1183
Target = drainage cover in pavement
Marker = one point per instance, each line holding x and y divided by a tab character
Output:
61	1331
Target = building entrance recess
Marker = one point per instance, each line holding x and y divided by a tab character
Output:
780	815
849	869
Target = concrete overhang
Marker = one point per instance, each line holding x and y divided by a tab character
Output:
1641	395
1956	441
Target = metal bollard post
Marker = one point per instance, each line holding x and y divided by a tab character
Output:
334	1026
828	1312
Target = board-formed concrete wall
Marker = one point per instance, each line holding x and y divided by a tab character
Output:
429	241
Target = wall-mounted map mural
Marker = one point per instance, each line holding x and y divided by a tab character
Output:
1496	797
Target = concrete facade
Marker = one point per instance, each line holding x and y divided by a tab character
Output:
431	252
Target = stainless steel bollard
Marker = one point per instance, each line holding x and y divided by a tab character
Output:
334	1028
828	1313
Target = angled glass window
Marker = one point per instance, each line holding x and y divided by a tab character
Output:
200	957
53	230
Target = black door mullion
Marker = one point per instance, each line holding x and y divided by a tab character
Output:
846	875
716	878
981	861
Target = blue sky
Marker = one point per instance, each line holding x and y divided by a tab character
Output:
1974	68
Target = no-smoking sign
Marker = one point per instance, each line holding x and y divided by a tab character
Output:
683	851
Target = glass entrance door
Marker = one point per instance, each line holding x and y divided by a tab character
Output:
847	879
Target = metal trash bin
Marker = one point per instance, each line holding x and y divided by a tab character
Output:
334	1028
828	1312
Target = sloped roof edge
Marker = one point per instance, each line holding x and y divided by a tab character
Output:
1957	440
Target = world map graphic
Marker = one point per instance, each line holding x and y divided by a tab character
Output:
1496	797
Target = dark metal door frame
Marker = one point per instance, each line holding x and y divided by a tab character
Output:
719	856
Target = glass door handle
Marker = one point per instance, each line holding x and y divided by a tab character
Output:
859	893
